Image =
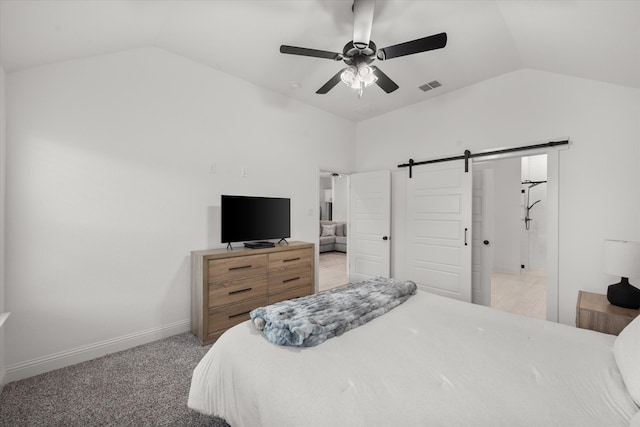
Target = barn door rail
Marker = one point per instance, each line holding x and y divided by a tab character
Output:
468	155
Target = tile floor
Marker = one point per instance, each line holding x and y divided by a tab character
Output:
524	293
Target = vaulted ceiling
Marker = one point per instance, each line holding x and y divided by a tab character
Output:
598	40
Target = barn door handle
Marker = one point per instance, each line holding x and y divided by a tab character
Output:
465	236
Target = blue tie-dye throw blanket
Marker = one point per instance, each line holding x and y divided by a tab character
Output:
311	320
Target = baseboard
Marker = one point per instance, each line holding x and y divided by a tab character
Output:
59	360
3	375
507	270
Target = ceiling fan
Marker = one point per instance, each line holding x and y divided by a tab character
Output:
362	51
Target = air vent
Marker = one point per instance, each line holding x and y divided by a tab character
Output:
431	85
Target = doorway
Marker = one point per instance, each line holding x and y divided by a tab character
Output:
518	242
401	247
333	199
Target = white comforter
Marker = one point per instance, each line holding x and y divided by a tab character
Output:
432	361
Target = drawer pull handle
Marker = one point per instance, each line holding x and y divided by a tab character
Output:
240	291
291	280
239	314
242	267
290	259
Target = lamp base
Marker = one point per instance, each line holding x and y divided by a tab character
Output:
624	294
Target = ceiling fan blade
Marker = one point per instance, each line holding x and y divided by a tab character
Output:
437	41
303	51
362	22
385	83
330	84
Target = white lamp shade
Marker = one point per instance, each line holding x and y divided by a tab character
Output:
622	258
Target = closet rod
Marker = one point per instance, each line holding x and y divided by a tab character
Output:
468	155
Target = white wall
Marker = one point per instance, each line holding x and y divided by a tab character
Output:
507	215
3	157
598	174
109	188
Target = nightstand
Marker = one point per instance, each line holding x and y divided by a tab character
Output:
594	312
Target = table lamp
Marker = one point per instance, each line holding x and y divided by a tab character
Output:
622	258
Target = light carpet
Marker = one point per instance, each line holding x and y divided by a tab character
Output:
144	386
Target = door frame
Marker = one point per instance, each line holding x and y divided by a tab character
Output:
483	231
316	214
553	250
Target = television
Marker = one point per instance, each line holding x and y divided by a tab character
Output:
246	218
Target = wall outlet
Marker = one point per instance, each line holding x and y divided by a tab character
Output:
243	172
212	168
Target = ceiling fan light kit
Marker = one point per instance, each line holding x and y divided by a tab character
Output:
359	53
358	77
348	75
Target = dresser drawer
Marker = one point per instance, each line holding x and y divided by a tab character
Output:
225	269
283	280
222	318
289	259
290	294
237	290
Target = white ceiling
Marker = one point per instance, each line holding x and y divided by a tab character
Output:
597	40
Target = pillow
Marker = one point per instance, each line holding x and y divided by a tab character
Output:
328	230
627	353
340	229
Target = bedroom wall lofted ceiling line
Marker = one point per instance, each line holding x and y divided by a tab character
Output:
597	40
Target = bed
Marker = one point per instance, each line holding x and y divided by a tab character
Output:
431	361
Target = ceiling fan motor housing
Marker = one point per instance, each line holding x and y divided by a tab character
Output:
354	56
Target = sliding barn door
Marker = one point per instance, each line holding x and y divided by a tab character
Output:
370	225
439	231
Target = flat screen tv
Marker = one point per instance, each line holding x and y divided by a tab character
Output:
245	218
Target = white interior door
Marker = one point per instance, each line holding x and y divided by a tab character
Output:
482	253
439	229
370	225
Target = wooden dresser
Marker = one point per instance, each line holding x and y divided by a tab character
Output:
228	284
